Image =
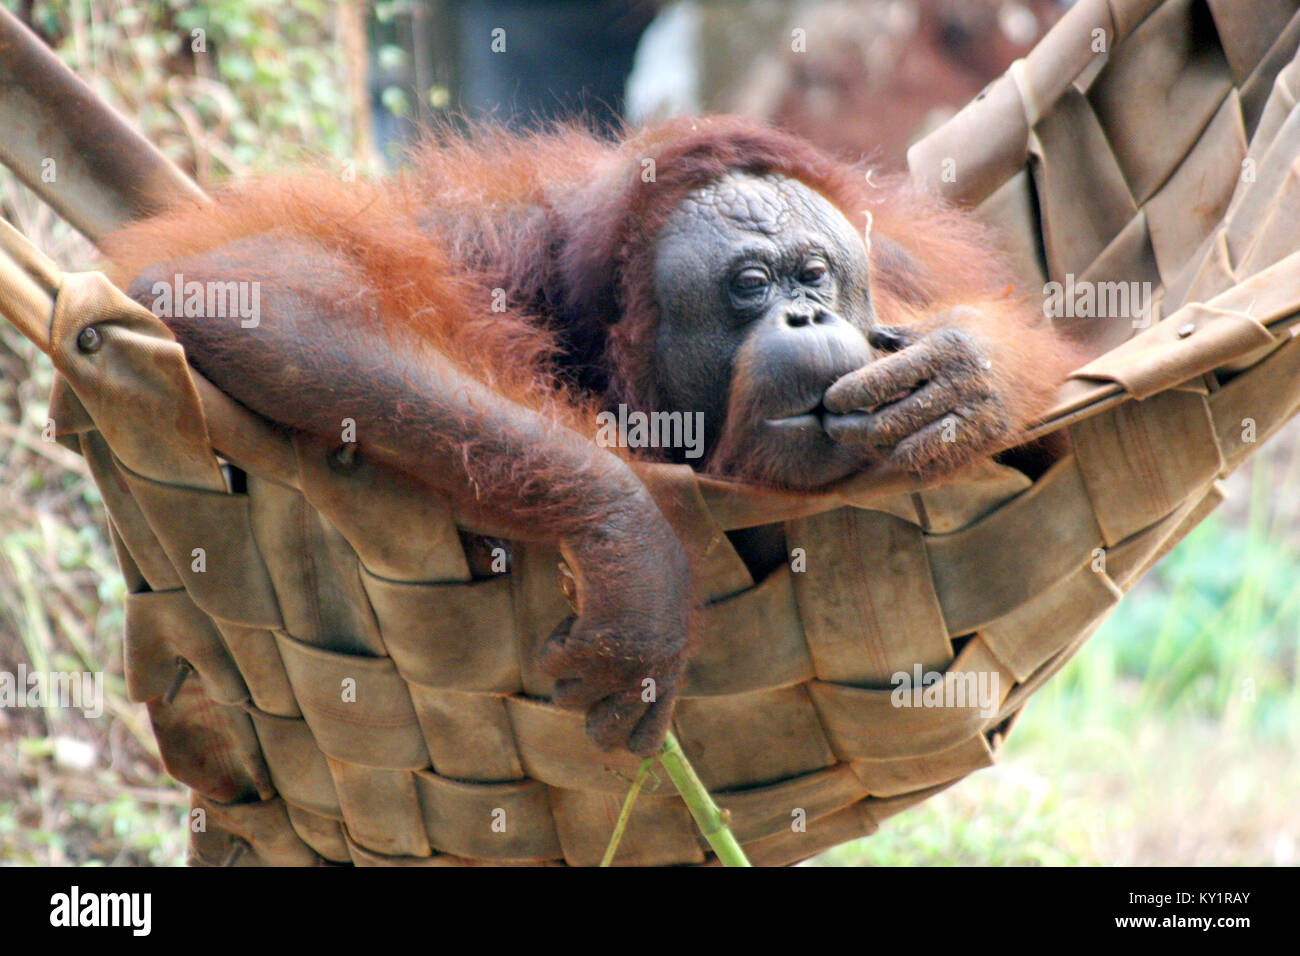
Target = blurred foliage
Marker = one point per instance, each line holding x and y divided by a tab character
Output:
222	87
1212	636
391	59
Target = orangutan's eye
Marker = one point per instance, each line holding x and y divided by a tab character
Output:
814	271
750	282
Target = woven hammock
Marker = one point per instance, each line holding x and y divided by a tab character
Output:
1140	142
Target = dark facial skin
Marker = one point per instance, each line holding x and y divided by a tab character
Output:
764	298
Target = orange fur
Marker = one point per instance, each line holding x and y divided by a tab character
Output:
565	223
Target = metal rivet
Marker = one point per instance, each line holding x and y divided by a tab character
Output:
89	339
1186	330
183	670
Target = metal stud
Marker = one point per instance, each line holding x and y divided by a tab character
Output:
89	339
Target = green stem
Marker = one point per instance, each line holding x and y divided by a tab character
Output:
709	817
626	812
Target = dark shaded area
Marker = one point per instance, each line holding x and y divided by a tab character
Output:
561	57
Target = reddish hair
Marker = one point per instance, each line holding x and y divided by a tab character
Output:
564	223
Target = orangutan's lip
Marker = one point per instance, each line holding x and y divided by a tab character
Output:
794	422
816	413
802	420
799	416
823	416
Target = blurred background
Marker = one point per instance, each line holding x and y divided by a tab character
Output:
1172	737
